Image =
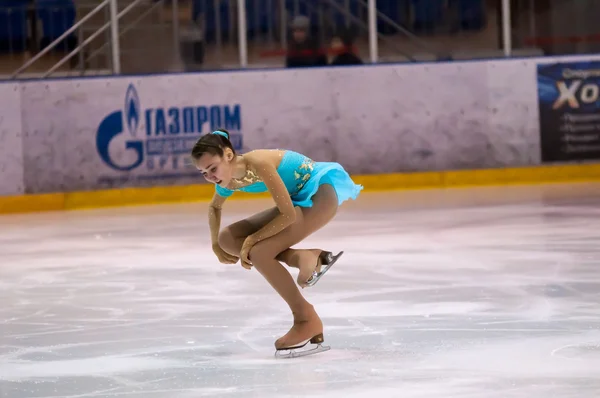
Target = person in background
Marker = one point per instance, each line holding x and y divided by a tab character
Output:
303	49
342	46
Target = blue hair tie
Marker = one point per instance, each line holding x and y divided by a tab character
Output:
220	133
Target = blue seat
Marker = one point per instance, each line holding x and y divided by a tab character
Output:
354	8
259	16
13	26
428	14
472	14
207	7
57	16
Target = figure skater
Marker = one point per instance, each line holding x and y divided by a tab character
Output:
307	195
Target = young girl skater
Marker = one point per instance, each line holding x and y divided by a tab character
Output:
306	194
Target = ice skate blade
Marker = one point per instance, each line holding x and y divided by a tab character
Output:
288	353
328	262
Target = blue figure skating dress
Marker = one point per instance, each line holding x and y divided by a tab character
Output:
302	177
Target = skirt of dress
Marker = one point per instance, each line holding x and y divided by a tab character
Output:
327	173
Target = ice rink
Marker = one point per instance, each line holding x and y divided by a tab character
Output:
479	293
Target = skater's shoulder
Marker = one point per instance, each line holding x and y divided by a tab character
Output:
264	158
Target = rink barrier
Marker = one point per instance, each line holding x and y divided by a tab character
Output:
70	137
568	173
131	131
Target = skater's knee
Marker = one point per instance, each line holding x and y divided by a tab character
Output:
227	241
261	252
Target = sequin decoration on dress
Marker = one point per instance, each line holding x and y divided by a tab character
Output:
303	173
248	179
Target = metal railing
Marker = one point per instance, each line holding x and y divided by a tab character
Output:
115	49
126	36
385	30
375	37
13	28
107	33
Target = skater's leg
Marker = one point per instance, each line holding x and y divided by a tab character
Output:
297	258
231	239
264	258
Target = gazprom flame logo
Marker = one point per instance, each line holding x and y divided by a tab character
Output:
132	109
113	126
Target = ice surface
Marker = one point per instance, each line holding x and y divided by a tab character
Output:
473	293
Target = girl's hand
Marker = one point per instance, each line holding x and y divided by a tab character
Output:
245	252
223	256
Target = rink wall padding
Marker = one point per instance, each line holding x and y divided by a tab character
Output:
94	141
546	174
89	134
11	151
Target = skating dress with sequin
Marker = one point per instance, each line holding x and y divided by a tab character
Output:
302	177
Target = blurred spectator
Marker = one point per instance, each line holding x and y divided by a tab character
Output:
303	49
343	49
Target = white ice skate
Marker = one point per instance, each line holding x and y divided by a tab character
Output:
327	259
299	351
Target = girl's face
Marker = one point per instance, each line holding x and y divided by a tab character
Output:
216	169
337	44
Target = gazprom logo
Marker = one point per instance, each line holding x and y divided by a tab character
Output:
132	109
160	136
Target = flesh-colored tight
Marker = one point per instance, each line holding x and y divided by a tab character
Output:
267	254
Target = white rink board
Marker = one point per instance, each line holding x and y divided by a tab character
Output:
372	119
11	150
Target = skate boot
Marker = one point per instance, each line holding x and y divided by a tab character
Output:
324	262
293	344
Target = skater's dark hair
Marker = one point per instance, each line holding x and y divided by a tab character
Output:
213	143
